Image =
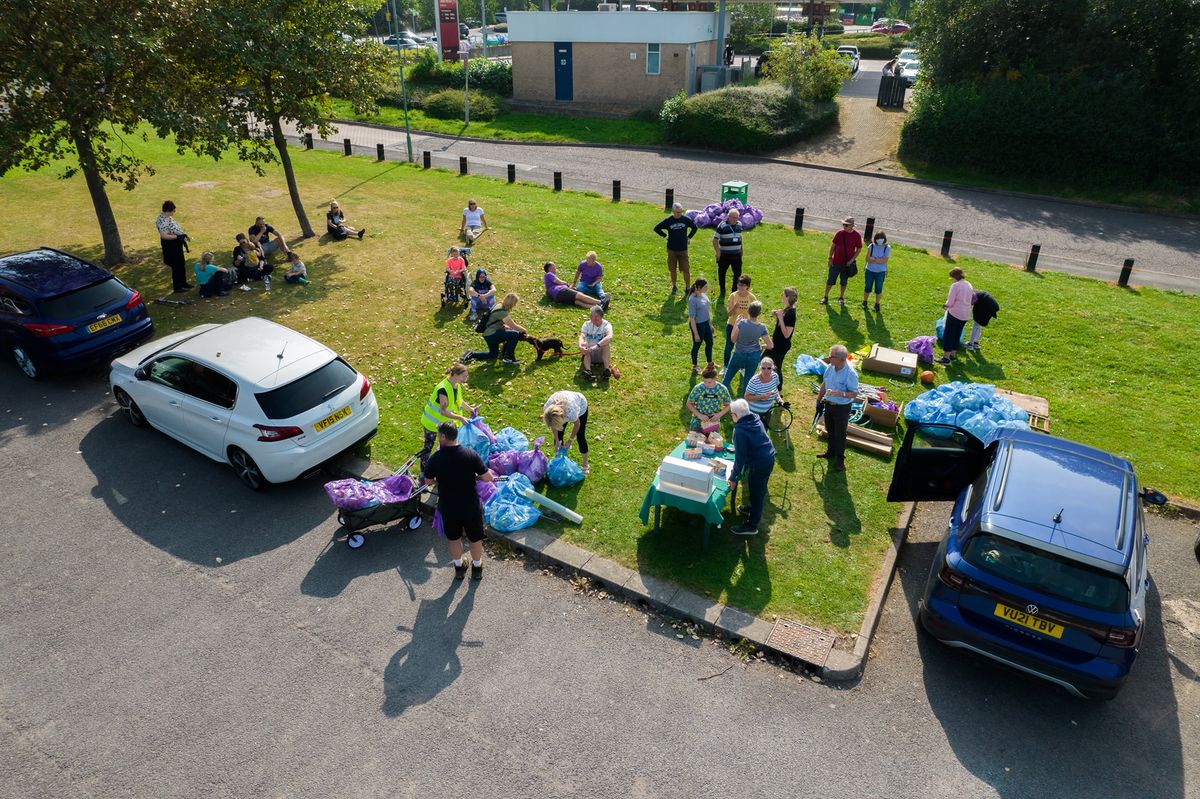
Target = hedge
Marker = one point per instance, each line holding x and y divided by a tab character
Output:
448	104
877	46
744	118
489	76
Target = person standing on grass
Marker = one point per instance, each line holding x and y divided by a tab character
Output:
445	404
678	230
843	250
754	456
174	243
781	338
700	322
474	222
838	389
737	305
984	309
749	337
958	311
878	253
728	247
763	390
455	470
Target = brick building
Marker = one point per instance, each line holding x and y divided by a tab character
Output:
607	60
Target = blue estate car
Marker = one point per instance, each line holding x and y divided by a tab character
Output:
59	312
1044	565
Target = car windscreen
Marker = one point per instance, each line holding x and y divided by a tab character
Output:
308	392
84	301
1047	573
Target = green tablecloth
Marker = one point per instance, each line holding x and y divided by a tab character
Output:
711	510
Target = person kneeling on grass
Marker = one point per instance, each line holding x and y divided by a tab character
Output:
499	332
296	272
455	470
213	279
754	456
595	342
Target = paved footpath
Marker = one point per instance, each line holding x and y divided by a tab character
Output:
166	633
1085	240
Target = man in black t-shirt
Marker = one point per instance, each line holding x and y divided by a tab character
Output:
455	470
267	238
677	229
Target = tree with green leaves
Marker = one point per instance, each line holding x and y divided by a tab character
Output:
807	68
77	78
280	62
747	20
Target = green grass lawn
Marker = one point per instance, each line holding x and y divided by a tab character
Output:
1115	364
516	126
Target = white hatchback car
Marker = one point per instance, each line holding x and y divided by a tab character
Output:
269	401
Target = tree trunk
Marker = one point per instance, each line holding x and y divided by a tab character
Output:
285	159
114	251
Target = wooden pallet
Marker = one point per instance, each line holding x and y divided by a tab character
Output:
871	441
1038	408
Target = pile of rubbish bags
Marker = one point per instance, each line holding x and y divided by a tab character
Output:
974	407
714	213
356	494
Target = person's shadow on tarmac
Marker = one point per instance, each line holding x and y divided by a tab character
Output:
428	663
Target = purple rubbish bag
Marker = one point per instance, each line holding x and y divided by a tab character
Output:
534	462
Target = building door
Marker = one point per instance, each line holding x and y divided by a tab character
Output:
564	89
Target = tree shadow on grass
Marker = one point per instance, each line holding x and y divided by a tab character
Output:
838	502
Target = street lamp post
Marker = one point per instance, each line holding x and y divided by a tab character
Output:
466	57
403	84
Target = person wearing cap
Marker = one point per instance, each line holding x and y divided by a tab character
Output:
846	245
677	229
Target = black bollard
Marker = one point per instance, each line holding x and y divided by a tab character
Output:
870	228
1126	271
558	181
379	151
798	225
425	159
616	191
1031	260
307	141
670	201
946	237
462	165
512	173
346	146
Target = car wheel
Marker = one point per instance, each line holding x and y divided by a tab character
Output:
136	417
247	470
27	363
356	540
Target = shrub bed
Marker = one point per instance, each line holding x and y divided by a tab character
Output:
448	104
744	118
488	76
869	46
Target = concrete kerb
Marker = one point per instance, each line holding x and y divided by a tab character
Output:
1183	508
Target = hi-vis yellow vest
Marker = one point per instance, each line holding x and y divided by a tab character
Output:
433	411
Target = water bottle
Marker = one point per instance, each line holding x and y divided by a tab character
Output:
267	282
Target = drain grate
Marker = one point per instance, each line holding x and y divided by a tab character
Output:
801	641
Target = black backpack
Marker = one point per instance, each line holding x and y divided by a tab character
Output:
483	322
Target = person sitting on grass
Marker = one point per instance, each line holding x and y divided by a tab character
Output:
560	291
482	294
261	232
335	223
588	275
296	272
213	279
595	342
474	222
249	262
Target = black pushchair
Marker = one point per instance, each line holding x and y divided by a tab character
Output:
363	504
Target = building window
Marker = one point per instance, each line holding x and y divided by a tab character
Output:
653	59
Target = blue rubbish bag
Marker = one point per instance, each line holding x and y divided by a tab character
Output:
510	440
563	471
808	365
508	510
939	327
476	435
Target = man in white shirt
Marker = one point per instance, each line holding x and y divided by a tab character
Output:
473	222
595	341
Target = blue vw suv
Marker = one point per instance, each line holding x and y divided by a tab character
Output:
1044	565
59	312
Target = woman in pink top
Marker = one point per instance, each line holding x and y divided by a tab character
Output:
958	313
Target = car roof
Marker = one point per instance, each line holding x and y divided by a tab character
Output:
1093	495
48	273
250	349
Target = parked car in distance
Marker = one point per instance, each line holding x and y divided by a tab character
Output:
404	42
910	72
850	53
501	18
1044	566
906	55
891	27
272	403
59	312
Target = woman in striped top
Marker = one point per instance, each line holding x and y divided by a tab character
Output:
763	390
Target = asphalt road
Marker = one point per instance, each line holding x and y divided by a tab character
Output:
1085	240
166	633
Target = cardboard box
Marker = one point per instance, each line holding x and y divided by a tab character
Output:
882	415
891	362
689	479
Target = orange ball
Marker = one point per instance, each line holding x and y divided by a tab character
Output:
927	377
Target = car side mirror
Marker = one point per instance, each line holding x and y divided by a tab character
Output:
140	373
1152	497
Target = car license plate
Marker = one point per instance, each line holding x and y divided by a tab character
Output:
103	323
332	419
1032	622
